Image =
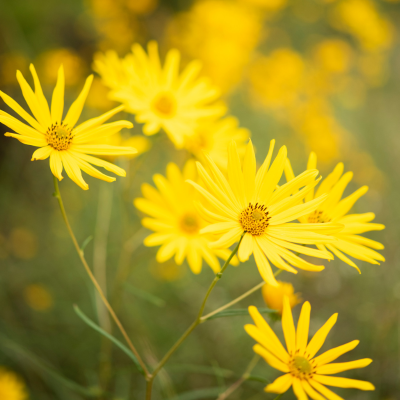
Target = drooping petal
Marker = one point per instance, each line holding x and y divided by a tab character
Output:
280	385
246	247
28	139
42	153
56	165
263	266
310	391
324	390
72	169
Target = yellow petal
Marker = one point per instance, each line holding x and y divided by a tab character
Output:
28	139
101	132
324	390
343	382
86	167
246	247
298	390
19	126
302	327
227	239
333	354
194	260
270	358
72	169
319	338
235	174
75	110
249	171
264	169
103	149
44	106
289	174
263	266
335	368
42	153
342	257
171	68
310	391
337	191
56	166
330	180
288	326
347	203
57	101
280	385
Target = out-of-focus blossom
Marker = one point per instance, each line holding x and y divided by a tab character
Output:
222	34
273	295
361	19
10	62
12	386
212	138
38	297
98	97
141	7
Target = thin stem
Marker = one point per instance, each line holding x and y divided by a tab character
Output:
196	322
243	296
57	194
242	379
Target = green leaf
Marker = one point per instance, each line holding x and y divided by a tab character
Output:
239	311
199	394
258	379
43	366
86	242
151	298
200	369
108	336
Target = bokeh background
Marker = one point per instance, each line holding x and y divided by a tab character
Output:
319	75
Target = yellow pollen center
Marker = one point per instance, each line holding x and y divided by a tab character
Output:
254	219
59	137
165	105
318	217
302	368
189	223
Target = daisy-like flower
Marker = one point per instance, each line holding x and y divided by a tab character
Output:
160	96
252	203
11	386
334	209
67	145
274	295
212	137
304	372
176	222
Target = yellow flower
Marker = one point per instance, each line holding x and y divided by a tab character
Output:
38	297
11	386
251	204
160	97
334	209
306	373
66	145
273	295
175	220
213	137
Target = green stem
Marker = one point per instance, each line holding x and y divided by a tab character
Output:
242	379
191	328
57	194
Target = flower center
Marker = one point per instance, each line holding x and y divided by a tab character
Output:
59	137
254	219
189	223
165	105
318	217
301	367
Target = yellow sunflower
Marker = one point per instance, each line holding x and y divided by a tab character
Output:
304	372
58	138
160	96
335	209
212	137
11	386
274	295
252	203
176	222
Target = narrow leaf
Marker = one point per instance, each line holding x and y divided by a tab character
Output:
86	242
258	379
198	394
108	336
239	311
151	298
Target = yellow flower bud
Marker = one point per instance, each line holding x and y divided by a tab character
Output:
273	295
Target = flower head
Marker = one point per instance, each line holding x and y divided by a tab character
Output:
251	203
306	373
67	145
176	221
273	295
335	209
160	96
11	386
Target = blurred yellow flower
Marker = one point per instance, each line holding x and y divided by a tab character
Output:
160	97
304	372
333	55
212	138
334	209
273	295
361	19
222	34
10	62
250	205
49	62
142	7
278	79
23	243
98	96
38	297
176	222
66	145
11	386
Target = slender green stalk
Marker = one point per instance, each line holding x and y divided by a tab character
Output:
57	194
243	296
242	379
191	328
